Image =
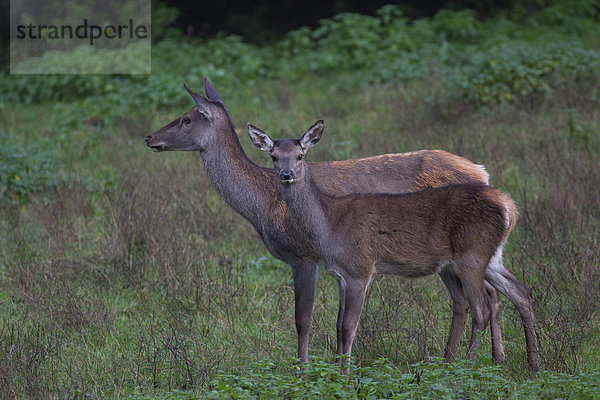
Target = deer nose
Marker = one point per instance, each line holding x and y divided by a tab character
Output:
285	175
148	138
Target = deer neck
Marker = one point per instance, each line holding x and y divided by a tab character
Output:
236	178
310	208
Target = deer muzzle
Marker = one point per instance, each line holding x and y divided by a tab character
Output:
160	146
286	176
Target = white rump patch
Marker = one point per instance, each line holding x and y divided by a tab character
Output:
485	173
495	273
496	260
506	218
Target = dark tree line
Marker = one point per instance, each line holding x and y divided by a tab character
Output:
264	20
261	21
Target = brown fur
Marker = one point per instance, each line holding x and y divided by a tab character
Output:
416	232
254	193
421	169
455	230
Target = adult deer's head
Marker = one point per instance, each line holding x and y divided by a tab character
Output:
195	129
287	154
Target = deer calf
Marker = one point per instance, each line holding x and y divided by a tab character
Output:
461	228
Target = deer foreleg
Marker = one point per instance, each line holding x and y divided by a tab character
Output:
305	283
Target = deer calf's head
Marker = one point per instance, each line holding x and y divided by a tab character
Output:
194	130
287	154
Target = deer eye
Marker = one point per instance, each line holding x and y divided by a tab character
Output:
300	156
185	121
273	158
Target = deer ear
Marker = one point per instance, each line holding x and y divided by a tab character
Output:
211	93
200	101
260	139
312	135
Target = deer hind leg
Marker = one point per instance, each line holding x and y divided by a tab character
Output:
305	283
520	295
354	297
340	318
470	273
460	308
496	331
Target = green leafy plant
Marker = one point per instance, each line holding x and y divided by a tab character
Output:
582	134
24	171
499	60
456	25
432	379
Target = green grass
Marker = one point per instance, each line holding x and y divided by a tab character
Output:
124	275
152	284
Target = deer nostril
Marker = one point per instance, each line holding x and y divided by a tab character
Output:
148	138
285	175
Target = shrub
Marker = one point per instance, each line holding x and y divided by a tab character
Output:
493	61
23	171
505	72
456	25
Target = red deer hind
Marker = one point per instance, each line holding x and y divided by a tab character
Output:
461	227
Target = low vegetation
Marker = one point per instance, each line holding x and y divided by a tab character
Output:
123	274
